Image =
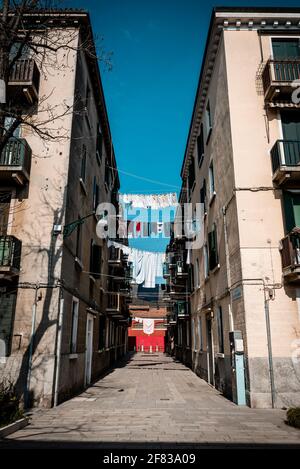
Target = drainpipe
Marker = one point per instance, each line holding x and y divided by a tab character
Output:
270	352
32	334
58	349
228	271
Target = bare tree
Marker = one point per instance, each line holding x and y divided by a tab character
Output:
21	38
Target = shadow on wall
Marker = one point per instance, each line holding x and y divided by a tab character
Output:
36	250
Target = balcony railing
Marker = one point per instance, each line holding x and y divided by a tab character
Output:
115	256
290	255
278	76
24	82
181	270
10	254
114	303
15	161
285	157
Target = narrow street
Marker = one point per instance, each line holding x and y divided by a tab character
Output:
152	400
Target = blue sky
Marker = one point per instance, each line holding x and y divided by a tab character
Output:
157	50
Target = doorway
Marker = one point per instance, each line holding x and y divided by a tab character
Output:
89	349
209	348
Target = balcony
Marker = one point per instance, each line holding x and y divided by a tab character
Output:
182	309
10	256
115	257
290	256
285	156
15	162
24	83
180	270
114	304
277	78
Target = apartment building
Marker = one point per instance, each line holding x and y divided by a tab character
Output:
242	165
63	292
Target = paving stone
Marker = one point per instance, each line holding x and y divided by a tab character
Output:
163	401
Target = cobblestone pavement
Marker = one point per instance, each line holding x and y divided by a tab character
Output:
156	401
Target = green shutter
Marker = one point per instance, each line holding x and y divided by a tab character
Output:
284	49
291	204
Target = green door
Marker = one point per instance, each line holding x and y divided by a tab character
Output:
285	53
284	49
291	210
290	121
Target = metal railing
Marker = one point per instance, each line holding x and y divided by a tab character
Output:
280	71
10	252
290	250
25	71
113	302
285	153
16	152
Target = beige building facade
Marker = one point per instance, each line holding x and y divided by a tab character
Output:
242	165
63	317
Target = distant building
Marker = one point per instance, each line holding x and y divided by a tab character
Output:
143	338
63	293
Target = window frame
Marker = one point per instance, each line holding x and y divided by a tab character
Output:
208	121
220	325
74	326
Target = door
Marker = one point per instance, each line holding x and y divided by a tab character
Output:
285	52
291	202
209	348
89	349
290	121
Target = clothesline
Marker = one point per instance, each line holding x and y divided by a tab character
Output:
154	201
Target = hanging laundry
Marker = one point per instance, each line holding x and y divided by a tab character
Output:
148	326
167	229
146	265
154	227
154	201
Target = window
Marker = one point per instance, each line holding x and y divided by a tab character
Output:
78	239
179	329
208	121
194	344
284	49
205	260
200	338
220	329
211	181
5	198
95	194
200	146
213	248
8	122
83	163
102	332
291	202
203	197
191	175
99	143
95	260
191	277
188	338
8	298
74	325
